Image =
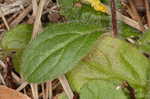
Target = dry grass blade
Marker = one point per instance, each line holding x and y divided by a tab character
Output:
128	20
43	91
3	18
22	86
5	22
37	23
16	77
48	90
2	79
34	88
66	86
2	64
35	7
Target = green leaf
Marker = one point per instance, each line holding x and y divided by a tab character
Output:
112	60
144	42
62	96
16	58
86	15
101	90
57	50
66	3
17	38
128	31
89	16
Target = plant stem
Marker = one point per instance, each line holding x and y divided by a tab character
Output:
114	18
130	89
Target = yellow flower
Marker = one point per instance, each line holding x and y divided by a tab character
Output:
97	5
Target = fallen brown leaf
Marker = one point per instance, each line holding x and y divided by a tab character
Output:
7	93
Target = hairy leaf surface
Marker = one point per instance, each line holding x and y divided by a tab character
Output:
57	50
86	15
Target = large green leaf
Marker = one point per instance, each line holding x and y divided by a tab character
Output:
57	50
115	61
17	38
101	90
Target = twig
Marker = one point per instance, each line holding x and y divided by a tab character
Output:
130	12
147	12
130	89
12	17
14	7
114	20
137	17
4	20
66	86
9	20
21	16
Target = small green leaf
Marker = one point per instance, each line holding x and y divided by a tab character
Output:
86	15
128	31
144	42
57	50
62	96
16	58
89	16
66	3
112	60
17	38
101	90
